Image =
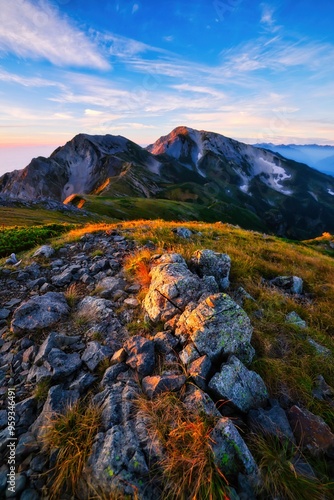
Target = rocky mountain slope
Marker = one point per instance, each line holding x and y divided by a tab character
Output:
200	168
164	351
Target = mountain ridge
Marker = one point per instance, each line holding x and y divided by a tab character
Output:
197	167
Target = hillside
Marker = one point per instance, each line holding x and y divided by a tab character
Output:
204	176
154	360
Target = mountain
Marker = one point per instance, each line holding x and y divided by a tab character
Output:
209	173
318	157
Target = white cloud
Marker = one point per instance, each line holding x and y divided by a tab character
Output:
36	30
27	81
267	18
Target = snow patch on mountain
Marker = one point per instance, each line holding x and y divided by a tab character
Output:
329	191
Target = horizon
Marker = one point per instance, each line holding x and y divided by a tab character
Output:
253	73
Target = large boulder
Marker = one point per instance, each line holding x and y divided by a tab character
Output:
243	388
217	326
210	263
173	286
40	312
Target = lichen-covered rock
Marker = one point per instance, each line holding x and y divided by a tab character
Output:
210	263
243	388
173	286
199	371
289	284
294	319
217	326
311	431
152	386
199	402
40	312
141	355
230	450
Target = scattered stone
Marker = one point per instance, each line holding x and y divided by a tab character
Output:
217	326
141	355
62	365
294	319
4	313
20	482
245	389
210	263
240	295
165	342
40	312
44	251
182	232
12	260
289	284
27	444
189	354
94	354
271	421
132	302
199	371
152	386
320	349
311	431
118	357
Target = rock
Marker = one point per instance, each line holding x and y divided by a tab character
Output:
323	391
100	265
311	431
152	386
49	343
294	319
12	260
44	251
4	470
20	482
141	355
320	349
25	414
182	232
40	312
131	302
241	295
210	263
111	374
82	382
108	286
172	287
4	313
66	276
271	421
230	450
118	357
217	326
199	402
289	284
62	365
57	401
199	371
30	494
165	342
94	354
245	389
189	354
27	444
94	308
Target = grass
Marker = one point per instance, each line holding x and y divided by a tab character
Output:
41	390
280	478
188	468
72	435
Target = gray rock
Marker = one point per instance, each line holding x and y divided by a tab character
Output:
165	342
62	365
66	276
131	302
289	284
27	444
111	374
173	287
94	354
189	353
294	319
4	439
141	355
20	482
4	470
3	418
230	450
99	265
39	462
11	260
82	382
210	263
95	308
25	414
44	251
183	232
4	313
57	401
240	295
271	421
40	312
245	389
199	371
118	357
30	494
152	386
217	326
311	432
322	390
49	343
107	286
199	402
320	349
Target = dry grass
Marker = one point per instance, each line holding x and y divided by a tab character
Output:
278	465
188	468
137	265
72	435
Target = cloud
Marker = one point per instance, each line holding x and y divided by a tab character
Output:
135	8
37	31
267	18
27	81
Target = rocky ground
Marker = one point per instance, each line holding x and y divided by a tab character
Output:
71	321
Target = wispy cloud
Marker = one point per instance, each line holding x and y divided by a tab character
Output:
267	18
36	30
135	8
27	81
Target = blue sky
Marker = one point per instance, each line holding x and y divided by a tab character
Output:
254	71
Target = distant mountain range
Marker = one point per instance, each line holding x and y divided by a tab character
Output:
219	177
318	157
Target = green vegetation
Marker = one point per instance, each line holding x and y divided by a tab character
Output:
17	239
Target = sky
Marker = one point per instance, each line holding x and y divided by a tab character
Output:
253	71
